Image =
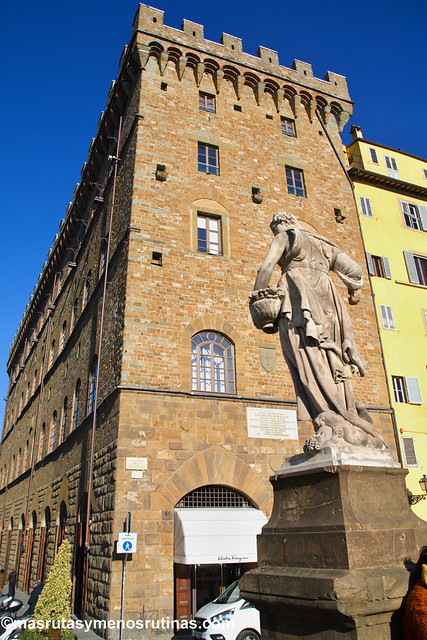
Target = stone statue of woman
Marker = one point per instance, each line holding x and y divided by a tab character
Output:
315	332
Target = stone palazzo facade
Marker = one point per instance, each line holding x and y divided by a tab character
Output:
138	383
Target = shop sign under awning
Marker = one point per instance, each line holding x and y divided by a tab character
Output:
216	536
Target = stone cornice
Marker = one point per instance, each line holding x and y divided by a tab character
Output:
385	182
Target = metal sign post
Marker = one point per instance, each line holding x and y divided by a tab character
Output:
122	606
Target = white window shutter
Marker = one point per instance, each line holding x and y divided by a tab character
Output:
410	265
405	207
409	452
386	266
370	262
422	210
413	390
387	316
366	206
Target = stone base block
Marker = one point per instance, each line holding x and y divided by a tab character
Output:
332	557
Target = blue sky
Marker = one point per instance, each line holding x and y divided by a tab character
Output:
58	60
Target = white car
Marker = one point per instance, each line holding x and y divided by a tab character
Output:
228	617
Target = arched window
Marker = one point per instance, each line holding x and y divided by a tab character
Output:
75	313
41	440
63	335
212	363
54	426
64	419
52	353
92	385
26	451
88	287
77	395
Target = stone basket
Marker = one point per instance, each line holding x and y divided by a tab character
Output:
265	305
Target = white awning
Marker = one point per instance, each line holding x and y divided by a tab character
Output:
216	536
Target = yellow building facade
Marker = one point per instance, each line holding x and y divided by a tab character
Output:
391	194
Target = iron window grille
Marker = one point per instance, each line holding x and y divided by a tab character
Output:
214	497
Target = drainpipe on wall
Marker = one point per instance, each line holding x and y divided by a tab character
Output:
114	159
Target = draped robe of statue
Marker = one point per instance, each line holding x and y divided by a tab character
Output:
315	329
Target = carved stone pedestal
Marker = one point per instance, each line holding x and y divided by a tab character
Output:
331	558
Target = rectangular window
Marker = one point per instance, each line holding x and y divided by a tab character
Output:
425	173
407	389
417	268
399	389
373	154
408	445
288	127
295	182
391	165
378	266
209	234
411	215
387	316
365	204
421	267
207	102
208	158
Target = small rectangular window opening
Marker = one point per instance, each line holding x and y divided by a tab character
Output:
157	258
164	86
237	107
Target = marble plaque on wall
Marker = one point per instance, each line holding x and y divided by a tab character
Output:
276	424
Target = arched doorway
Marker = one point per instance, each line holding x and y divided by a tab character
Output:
31	532
8	546
79	559
62	525
43	546
215	529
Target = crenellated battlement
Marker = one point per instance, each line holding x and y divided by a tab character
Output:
149	22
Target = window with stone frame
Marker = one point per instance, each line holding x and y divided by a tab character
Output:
208	158
295	182
63	335
74	313
207	102
53	429
212	363
41	441
64	419
77	397
87	288
209	234
288	127
92	385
